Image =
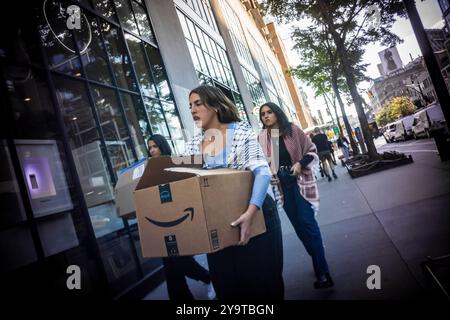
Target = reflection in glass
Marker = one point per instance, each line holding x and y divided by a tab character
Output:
120	61
19	254
19	42
76	111
156	117
57	234
193	55
137	123
105	8
88	153
126	15
159	72
140	65
120	267
10	199
94	56
204	79
30	102
57	39
174	124
142	20
116	136
240	105
97	188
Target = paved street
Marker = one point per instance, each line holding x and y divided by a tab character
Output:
393	219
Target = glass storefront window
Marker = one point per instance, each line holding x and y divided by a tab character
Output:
105	8
88	155
57	39
204	79
19	254
10	199
19	42
140	65
174	126
117	139
156	117
159	72
126	16
194	57
119	59
76	111
204	11
137	123
57	234
116	252
30	102
93	54
145	29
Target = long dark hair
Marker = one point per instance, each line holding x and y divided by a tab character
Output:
282	120
216	99
162	144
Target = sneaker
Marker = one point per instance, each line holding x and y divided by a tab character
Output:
329	179
334	175
211	292
324	282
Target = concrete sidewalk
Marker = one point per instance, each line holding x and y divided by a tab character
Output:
392	219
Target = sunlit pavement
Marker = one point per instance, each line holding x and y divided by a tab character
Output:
392	219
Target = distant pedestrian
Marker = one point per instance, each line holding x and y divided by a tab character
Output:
332	151
343	144
323	150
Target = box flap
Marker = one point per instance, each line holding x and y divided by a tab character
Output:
131	175
202	172
154	173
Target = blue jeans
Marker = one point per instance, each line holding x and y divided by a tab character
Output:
301	215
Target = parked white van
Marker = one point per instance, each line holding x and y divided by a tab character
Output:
404	131
389	131
427	120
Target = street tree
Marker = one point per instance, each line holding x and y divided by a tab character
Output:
321	69
398	107
346	22
401	107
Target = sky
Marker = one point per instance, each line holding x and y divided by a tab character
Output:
431	16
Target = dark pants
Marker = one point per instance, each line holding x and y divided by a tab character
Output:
176	268
301	215
253	271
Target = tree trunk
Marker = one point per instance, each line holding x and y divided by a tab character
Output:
333	103
348	128
328	108
348	72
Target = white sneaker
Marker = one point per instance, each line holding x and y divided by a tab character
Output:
211	292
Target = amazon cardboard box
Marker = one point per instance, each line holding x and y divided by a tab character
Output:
128	178
185	210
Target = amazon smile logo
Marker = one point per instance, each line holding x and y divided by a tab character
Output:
168	224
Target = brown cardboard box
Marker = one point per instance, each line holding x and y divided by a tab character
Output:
125	186
187	211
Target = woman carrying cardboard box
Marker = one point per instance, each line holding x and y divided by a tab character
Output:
253	269
177	268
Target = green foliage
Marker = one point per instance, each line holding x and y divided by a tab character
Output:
397	108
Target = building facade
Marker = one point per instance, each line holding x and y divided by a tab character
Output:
412	81
80	96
